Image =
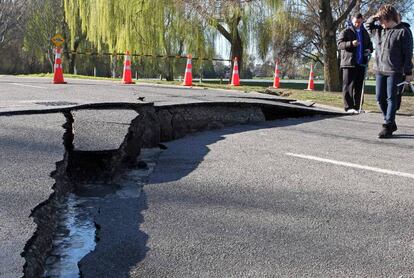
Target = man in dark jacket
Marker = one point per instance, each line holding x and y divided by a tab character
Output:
355	45
393	62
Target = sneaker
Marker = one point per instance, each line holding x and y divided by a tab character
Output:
386	131
352	111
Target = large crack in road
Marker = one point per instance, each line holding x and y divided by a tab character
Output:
87	179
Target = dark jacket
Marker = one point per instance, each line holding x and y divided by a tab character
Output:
393	48
408	26
348	51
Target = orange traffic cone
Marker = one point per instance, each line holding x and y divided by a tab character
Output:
58	74
188	76
127	74
311	84
235	79
276	82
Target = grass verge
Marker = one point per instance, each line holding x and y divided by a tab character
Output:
335	99
290	90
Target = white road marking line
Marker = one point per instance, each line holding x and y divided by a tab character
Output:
31	86
352	165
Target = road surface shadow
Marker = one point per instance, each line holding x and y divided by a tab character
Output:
403	136
197	150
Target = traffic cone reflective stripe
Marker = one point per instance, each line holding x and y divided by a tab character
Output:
235	79
127	74
276	82
58	69
311	84
188	76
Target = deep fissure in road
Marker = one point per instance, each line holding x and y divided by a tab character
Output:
66	229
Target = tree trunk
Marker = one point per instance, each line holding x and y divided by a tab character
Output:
236	51
331	68
114	63
234	38
50	58
72	57
328	33
168	70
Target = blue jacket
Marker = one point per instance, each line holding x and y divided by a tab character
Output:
348	51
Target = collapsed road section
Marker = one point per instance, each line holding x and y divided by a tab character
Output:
146	128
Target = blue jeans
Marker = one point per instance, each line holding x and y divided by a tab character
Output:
386	93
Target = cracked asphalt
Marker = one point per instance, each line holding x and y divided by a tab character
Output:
30	147
233	203
316	197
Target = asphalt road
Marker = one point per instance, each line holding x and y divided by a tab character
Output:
314	197
40	93
29	148
31	145
310	197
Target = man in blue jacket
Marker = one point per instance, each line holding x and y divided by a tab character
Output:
355	45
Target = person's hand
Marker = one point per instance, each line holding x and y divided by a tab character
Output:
367	52
355	43
409	78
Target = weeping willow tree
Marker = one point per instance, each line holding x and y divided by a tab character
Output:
141	26
281	36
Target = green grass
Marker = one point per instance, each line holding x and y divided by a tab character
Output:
335	99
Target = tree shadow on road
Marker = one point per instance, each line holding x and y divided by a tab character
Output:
181	159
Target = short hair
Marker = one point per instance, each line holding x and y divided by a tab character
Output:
388	12
357	15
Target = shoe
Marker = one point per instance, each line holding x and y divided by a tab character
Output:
386	132
352	111
394	127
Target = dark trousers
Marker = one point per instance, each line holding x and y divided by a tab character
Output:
386	93
400	94
353	79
